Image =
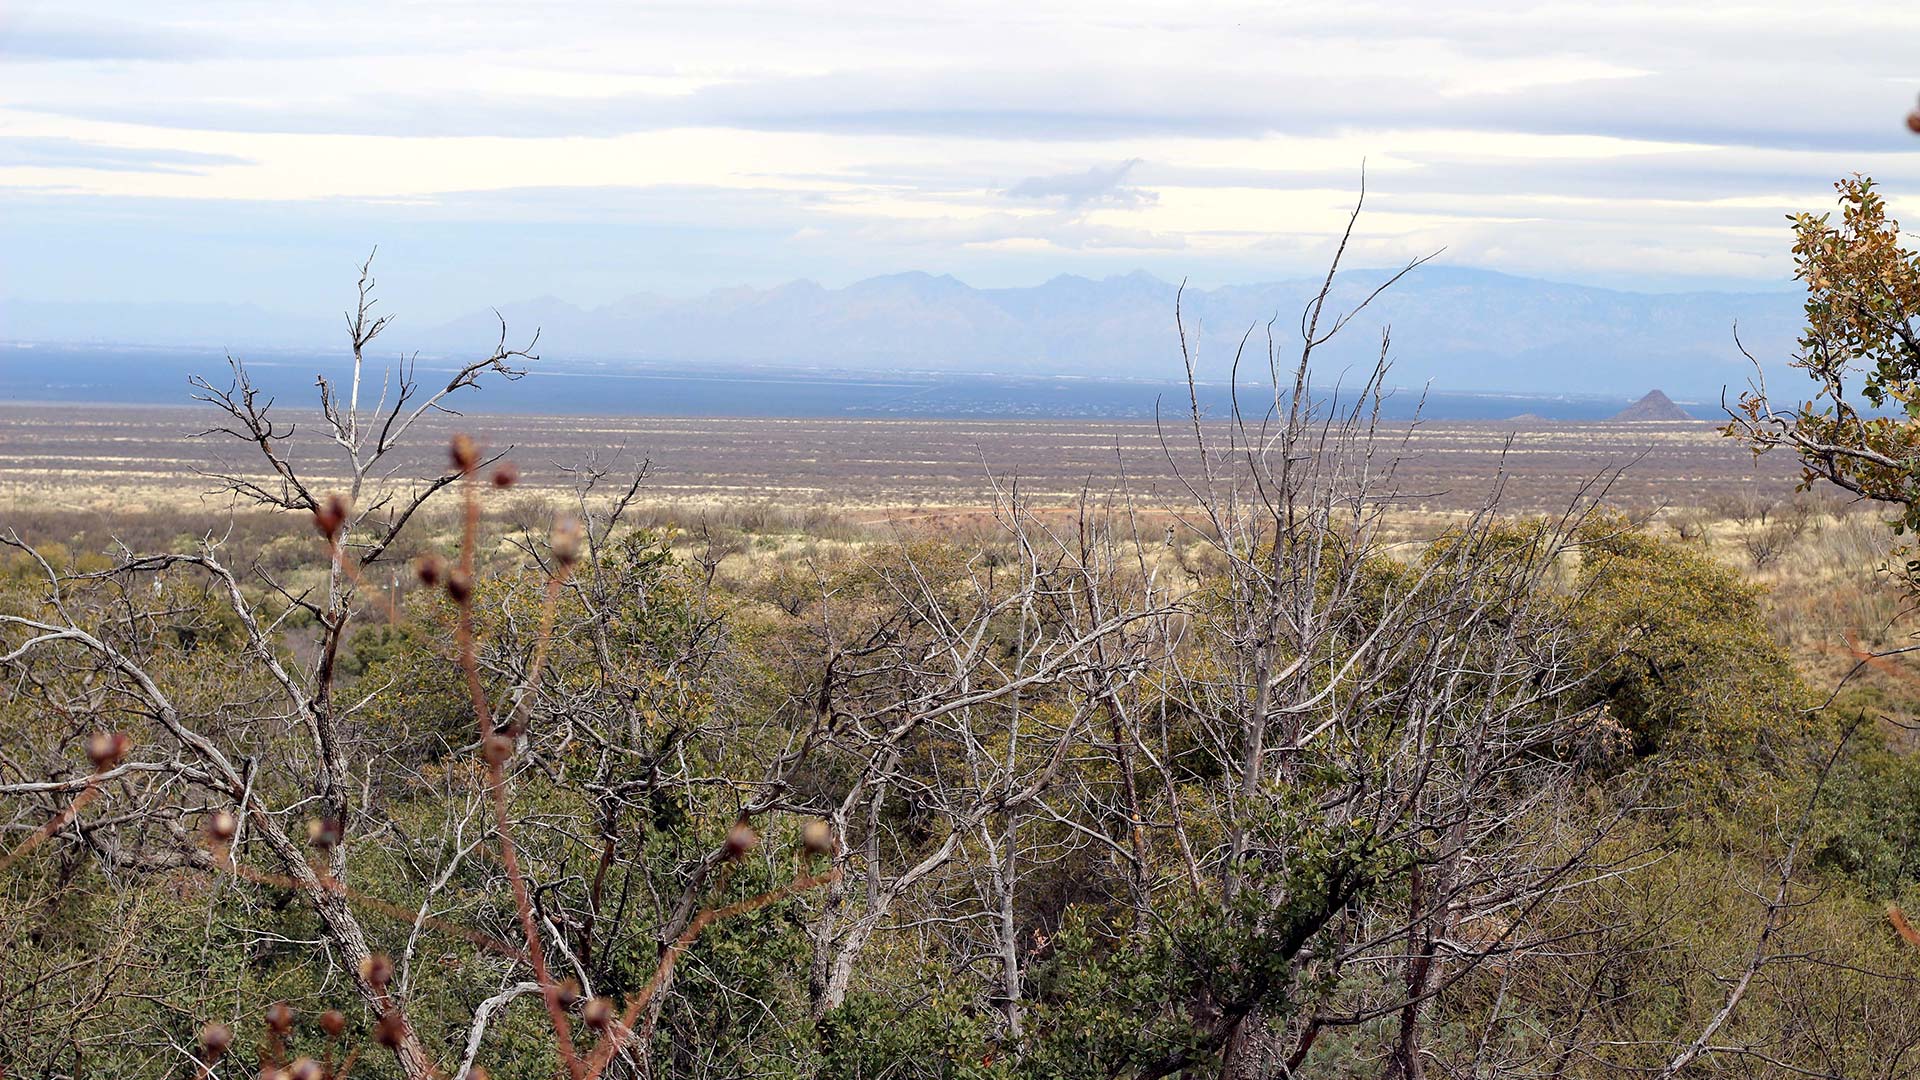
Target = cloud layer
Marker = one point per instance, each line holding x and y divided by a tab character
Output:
594	149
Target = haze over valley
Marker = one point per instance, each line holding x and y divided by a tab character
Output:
940	346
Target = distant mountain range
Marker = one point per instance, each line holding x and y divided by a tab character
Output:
1462	329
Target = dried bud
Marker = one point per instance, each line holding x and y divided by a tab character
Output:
740	839
1913	121
460	586
390	1029
496	749
598	1013
567	993
222	826
106	748
305	1068
333	1023
565	541
279	1018
506	474
376	971
430	569
323	833
331	516
817	838
214	1040
465	453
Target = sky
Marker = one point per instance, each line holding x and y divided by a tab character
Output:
254	152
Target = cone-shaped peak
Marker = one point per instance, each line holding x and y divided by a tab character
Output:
1655	406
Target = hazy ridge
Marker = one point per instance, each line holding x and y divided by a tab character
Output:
1462	329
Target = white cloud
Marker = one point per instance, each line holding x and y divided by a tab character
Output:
1572	140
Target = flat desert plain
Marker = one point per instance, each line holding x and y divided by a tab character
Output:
140	457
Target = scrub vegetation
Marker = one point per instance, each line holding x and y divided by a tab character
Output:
401	769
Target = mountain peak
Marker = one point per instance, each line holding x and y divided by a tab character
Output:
1655	406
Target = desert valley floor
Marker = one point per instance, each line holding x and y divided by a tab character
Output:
94	456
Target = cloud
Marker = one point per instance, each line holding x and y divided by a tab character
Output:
1711	105
58	153
1661	76
1098	184
36	37
401	115
1001	138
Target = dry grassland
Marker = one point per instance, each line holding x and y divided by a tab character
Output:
756	494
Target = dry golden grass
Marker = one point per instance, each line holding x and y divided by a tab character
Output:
1830	596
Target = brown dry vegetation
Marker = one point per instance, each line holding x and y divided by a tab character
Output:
1819	563
753	495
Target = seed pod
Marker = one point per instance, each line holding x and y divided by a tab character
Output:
740	839
330	516
506	474
305	1068
567	993
496	749
106	748
323	833
817	838
465	453
598	1013
390	1029
333	1023
565	541
214	1040
376	971
1913	121
222	826
279	1018
430	569
460	586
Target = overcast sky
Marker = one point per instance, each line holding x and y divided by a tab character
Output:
498	151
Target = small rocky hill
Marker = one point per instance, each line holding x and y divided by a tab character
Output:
1655	406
